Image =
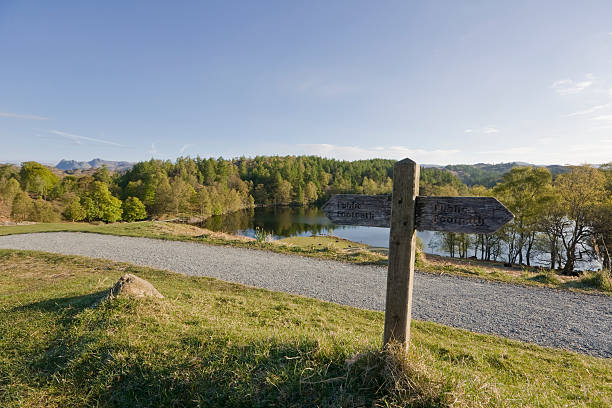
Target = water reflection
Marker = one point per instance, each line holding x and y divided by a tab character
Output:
284	222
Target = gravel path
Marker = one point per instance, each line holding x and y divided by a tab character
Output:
544	316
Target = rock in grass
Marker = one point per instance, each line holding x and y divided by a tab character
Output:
132	285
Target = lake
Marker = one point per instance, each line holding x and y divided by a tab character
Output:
284	222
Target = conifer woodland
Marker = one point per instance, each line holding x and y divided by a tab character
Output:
564	214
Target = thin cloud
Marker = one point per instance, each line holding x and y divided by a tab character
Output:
21	116
78	139
570	87
489	130
390	152
153	150
185	147
591	110
603	118
468	130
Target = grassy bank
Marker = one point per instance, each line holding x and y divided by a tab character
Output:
210	343
334	248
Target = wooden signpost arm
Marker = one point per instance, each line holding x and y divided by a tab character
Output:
402	243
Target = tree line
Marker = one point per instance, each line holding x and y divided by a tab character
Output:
566	215
568	218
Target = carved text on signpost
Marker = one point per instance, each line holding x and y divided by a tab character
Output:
481	215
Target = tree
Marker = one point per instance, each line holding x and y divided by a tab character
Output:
101	174
181	194
99	204
282	190
601	238
9	189
22	206
37	179
202	202
310	193
581	192
133	210
162	202
43	211
74	211
526	192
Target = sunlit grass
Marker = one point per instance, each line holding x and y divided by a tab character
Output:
211	343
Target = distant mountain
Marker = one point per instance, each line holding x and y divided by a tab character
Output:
93	164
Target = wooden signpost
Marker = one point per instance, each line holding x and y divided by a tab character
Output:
405	212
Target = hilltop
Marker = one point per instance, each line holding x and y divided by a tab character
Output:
488	175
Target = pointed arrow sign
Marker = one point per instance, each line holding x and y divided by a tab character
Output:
480	215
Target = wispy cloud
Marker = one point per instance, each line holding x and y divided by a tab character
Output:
390	152
490	129
78	139
153	151
468	130
569	86
184	147
21	116
591	110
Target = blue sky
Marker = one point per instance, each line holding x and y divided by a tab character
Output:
439	82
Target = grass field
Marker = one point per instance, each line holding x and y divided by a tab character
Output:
211	343
337	249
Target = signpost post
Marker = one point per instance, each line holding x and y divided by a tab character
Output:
405	212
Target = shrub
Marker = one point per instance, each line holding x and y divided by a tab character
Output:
74	211
22	206
603	280
261	235
43	211
99	204
133	209
547	277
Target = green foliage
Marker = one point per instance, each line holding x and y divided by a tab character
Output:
261	235
440	182
22	206
580	193
133	210
102	175
548	277
43	211
489	175
9	189
603	280
74	211
37	179
100	205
